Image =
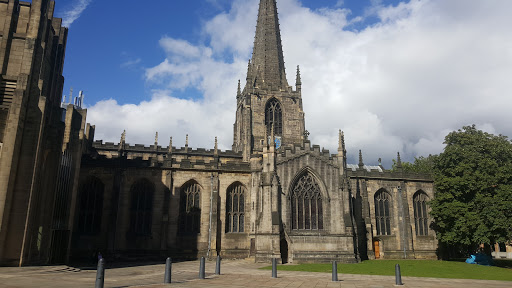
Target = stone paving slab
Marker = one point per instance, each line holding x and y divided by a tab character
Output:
239	273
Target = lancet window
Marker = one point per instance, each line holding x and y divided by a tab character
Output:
235	208
306	204
420	200
91	206
190	208
383	212
141	210
274	117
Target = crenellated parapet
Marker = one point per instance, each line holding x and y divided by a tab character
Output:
291	152
376	172
138	155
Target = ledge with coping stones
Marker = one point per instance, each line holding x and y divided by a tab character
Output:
140	148
388	175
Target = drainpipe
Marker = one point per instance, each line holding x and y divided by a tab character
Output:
211	216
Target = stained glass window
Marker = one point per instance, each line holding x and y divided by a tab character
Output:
190	208
306	204
383	212
141	207
235	212
274	116
420	200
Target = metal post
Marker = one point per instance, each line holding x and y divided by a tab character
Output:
274	267
201	268
100	274
398	275
334	271
217	266
168	270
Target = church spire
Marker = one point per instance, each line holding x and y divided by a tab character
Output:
267	54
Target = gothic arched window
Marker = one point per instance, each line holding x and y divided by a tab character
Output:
91	206
274	116
420	213
235	208
306	204
383	212
141	210
190	208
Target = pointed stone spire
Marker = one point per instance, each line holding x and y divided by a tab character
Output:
298	81
122	142
186	143
266	138
398	161
341	141
361	164
156	139
268	51
239	90
216	148
272	136
170	145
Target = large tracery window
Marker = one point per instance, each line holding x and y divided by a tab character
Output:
420	213
383	212
190	208
91	206
235	208
306	204
141	212
274	116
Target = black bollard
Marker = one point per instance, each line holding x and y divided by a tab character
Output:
334	271
168	270
217	266
100	274
201	268
274	267
398	275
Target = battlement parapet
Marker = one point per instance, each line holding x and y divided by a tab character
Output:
140	148
291	151
377	172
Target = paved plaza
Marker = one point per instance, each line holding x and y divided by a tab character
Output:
234	273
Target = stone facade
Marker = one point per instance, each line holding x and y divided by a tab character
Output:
39	140
272	162
274	195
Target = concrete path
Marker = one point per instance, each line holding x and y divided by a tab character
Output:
238	273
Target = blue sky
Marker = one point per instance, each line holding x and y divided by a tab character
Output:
394	75
112	42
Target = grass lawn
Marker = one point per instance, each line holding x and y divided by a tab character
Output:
414	268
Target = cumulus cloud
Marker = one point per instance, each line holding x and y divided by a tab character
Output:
74	12
425	68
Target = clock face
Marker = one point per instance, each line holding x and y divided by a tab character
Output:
278	142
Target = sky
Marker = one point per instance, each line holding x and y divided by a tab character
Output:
395	76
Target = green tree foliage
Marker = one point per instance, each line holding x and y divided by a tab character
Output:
421	165
473	181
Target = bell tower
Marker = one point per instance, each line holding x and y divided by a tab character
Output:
267	101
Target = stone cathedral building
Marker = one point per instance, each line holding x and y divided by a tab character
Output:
274	195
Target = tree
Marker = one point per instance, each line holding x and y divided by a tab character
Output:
473	181
420	165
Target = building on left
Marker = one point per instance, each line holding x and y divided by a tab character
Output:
40	137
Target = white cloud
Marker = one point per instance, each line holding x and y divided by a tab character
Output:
426	68
74	12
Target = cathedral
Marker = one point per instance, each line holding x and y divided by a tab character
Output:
65	196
